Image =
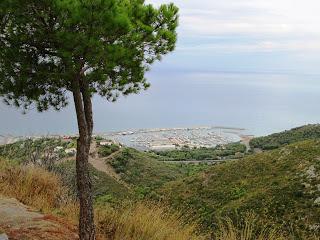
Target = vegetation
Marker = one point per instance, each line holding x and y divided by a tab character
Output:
249	227
281	186
105	151
143	171
145	221
277	140
42	152
232	150
271	195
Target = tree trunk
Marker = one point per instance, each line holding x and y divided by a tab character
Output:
83	106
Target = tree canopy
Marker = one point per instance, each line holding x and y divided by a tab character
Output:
45	43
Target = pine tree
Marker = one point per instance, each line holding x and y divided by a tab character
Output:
49	48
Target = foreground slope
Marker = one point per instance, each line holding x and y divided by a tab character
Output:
52	212
281	186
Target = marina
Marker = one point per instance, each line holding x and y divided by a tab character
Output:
164	139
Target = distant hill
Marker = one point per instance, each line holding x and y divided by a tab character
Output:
277	140
281	186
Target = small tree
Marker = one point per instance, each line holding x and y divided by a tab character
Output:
51	47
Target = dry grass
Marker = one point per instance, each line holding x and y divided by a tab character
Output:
144	221
248	228
37	188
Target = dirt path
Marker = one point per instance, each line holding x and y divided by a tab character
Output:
245	139
101	165
21	222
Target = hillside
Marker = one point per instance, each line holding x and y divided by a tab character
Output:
278	189
145	172
276	140
280	186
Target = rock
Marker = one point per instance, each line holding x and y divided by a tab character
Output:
4	236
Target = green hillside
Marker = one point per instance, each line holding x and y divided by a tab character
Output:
277	140
281	186
146	172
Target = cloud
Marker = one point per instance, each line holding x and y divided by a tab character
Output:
273	25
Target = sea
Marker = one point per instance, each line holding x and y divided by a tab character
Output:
262	103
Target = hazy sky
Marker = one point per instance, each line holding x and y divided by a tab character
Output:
248	35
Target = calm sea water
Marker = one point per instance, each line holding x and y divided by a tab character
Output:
261	103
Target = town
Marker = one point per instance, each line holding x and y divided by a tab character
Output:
161	139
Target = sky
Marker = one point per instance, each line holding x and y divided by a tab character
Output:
247	35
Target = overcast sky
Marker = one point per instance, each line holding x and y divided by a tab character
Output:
248	35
